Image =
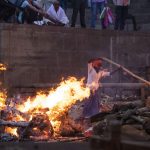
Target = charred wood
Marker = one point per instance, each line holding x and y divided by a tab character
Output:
13	123
38	128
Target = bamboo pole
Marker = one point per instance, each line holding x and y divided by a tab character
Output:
126	70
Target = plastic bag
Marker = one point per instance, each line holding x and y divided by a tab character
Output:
107	16
102	15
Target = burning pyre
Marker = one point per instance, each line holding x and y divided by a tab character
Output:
43	116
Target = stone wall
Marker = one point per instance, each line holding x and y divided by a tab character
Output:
46	54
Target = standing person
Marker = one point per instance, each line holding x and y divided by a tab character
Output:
121	12
78	6
97	6
95	74
7	9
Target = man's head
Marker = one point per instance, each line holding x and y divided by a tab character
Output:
56	4
97	62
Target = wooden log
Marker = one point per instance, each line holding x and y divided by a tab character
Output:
126	106
126	70
146	126
13	123
123	85
138	119
10	113
133	133
105	85
17	112
70	139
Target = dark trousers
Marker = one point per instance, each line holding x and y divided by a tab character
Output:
121	14
92	105
131	17
79	6
6	10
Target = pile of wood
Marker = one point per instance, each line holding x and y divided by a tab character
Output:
38	128
134	120
69	127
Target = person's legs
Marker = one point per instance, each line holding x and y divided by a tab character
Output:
124	13
130	16
7	10
76	6
118	17
82	14
93	14
30	16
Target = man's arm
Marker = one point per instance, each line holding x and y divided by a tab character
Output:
37	5
37	10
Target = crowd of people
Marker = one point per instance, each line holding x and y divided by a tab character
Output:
53	12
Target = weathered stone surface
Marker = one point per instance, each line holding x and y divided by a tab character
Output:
46	54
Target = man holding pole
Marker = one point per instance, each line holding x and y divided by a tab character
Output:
95	74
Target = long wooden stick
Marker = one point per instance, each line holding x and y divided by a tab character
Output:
13	123
126	70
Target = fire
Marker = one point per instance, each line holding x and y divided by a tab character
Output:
12	131
57	101
3	94
3	97
55	104
3	67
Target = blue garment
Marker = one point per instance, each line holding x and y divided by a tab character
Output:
96	7
92	105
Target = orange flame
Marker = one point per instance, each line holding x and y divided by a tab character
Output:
58	100
3	97
3	67
12	131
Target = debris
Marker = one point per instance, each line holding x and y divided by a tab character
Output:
39	128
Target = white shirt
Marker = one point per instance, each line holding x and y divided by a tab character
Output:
94	77
59	15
